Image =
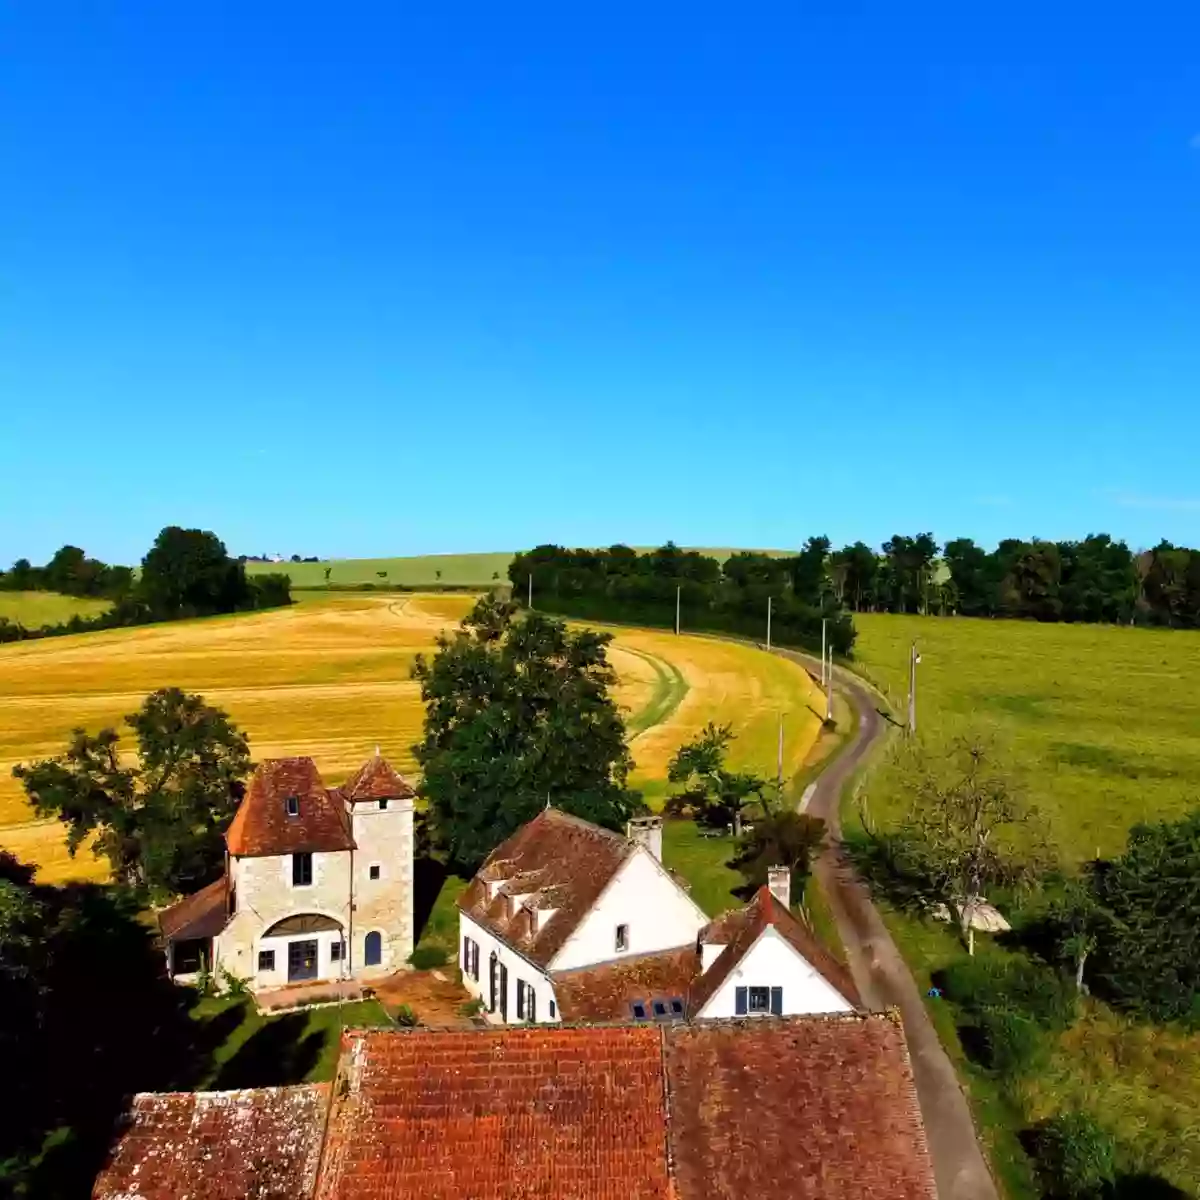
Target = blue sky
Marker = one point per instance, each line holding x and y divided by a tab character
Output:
362	279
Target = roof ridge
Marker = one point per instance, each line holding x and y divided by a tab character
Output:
583	823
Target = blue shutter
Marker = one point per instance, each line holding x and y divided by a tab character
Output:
739	1001
530	1003
777	1001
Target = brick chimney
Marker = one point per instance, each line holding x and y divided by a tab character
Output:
647	832
779	883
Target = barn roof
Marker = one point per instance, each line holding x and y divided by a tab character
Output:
201	915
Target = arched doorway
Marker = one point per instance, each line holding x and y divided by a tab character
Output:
373	949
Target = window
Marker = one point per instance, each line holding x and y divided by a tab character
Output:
530	1003
622	939
373	871
373	949
677	1007
760	1000
293	806
660	1010
756	1001
553	1010
302	873
466	956
266	960
638	1008
335	952
383	806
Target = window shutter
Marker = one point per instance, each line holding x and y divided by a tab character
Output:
530	1003
739	1001
777	1001
467	955
520	999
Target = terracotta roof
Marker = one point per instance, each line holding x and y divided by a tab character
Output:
809	1108
263	1143
375	780
545	1112
606	993
201	915
739	930
563	863
262	825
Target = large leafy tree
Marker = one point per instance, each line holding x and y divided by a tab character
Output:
517	716
188	573
712	794
159	822
785	839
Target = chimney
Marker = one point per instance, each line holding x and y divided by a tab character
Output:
646	832
779	884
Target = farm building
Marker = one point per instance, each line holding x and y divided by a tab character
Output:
317	887
808	1108
567	921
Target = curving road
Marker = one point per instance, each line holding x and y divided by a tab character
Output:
880	972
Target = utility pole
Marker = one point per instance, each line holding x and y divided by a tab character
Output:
824	681
829	688
768	622
913	659
530	589
678	594
780	767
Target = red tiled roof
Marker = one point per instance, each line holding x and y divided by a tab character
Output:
545	1112
811	1108
263	1143
739	930
262	825
606	992
375	780
201	915
563	863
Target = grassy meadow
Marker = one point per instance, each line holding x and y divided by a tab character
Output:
35	609
330	677
1101	726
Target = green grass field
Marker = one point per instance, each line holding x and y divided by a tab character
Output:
35	609
1101	726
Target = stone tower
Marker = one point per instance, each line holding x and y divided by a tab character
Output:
380	803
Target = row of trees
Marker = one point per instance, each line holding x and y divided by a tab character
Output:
1096	579
186	573
622	585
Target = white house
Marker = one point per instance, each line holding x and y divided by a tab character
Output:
317	885
567	921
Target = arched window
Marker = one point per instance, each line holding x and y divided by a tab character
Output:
373	949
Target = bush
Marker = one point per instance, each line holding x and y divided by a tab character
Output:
406	1017
1009	1043
235	985
992	981
426	957
1074	1157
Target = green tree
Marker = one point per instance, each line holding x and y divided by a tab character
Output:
784	839
160	823
713	795
518	715
1075	1158
188	573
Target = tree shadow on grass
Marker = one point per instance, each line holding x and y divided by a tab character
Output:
282	1051
1145	1187
428	877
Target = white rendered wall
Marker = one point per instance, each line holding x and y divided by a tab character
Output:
518	968
773	962
659	913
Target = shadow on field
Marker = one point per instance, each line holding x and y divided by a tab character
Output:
428	877
279	1053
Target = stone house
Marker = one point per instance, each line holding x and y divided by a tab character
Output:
566	921
318	882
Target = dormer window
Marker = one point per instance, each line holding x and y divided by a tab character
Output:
383	805
621	941
293	806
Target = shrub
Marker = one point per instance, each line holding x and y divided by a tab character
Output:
426	957
1074	1157
470	1008
235	985
406	1017
1014	983
1009	1043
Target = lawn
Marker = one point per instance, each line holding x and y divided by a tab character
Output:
35	609
1102	728
330	677
238	1047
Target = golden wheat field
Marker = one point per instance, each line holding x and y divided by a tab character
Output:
330	677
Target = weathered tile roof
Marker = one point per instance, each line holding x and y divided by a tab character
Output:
262	825
375	780
259	1144
738	931
201	915
606	992
563	863
545	1112
811	1108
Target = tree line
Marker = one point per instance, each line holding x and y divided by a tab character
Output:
1095	579
619	584
186	573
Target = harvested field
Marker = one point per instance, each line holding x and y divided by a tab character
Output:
330	677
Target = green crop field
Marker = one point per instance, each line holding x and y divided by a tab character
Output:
35	609
1101	726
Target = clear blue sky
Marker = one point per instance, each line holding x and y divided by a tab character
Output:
349	280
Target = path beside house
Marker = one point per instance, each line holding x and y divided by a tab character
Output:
880	972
